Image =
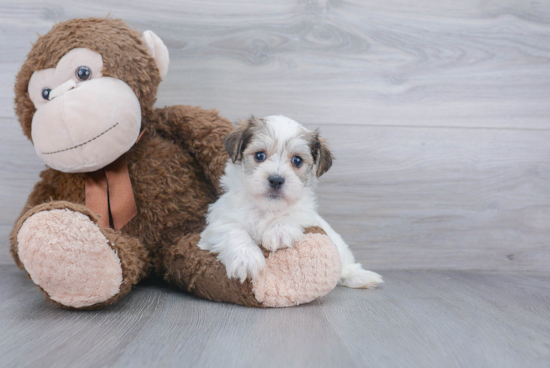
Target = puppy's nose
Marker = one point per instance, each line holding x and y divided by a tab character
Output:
276	181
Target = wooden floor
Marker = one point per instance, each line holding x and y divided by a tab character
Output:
416	319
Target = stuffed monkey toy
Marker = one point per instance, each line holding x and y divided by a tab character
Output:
127	186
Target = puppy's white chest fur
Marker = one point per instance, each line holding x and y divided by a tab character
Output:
267	227
258	221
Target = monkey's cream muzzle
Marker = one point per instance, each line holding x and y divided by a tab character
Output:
86	126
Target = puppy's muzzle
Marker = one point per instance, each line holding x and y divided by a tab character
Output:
275	181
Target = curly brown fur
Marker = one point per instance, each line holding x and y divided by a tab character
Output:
125	57
199	272
199	131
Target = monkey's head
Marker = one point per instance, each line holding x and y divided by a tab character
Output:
84	90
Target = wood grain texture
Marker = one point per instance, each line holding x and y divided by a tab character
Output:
412	198
475	63
437	112
416	319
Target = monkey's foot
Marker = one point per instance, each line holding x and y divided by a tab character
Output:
298	275
69	258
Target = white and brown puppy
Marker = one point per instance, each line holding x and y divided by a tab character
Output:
269	198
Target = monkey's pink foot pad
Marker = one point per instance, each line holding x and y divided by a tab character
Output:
300	274
67	255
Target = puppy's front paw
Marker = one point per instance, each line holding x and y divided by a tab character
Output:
353	276
279	236
243	261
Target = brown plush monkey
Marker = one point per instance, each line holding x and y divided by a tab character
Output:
128	185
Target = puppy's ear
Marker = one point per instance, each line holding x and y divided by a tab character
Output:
236	141
321	154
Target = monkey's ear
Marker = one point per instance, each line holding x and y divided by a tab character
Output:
236	141
321	154
158	50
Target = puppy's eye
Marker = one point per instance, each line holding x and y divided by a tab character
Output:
260	156
297	161
46	94
83	73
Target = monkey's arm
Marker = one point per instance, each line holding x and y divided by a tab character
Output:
199	131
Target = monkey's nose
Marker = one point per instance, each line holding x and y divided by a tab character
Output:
276	181
67	86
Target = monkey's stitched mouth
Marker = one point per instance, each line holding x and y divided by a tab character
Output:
81	144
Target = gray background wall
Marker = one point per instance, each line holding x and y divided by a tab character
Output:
438	113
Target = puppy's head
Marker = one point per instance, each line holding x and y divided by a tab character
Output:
279	159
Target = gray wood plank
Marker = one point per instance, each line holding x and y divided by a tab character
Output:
416	319
403	197
438	198
473	63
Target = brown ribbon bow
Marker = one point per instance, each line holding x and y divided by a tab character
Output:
109	194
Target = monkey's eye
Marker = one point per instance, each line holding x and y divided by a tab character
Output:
46	94
297	161
260	156
83	73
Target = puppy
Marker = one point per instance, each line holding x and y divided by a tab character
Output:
269	198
